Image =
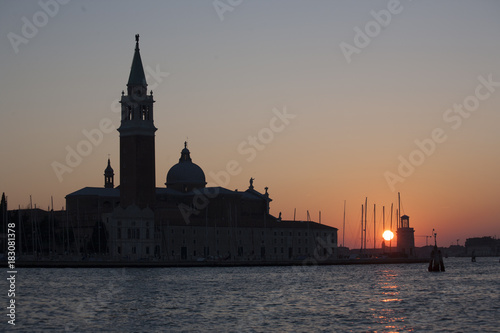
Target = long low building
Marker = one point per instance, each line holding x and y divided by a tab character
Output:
207	223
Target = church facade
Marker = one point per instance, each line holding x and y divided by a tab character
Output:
184	220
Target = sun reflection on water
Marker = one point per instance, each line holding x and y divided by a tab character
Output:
388	293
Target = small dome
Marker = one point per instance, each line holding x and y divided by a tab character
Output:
185	175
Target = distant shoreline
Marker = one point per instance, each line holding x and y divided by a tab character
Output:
163	264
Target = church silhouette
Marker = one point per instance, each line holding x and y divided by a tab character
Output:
185	220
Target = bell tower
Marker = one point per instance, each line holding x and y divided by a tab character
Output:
137	139
109	176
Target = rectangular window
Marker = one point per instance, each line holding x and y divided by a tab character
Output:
119	233
138	234
184	253
147	249
133	250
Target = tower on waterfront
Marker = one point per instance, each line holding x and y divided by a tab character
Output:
406	237
137	139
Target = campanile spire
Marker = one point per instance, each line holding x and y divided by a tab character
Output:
137	139
137	79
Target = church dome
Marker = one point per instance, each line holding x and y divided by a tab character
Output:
185	175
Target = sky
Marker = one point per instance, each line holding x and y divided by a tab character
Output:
323	102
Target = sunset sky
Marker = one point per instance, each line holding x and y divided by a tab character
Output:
321	101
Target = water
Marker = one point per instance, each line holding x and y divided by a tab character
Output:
367	298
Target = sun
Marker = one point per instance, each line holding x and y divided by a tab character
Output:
388	235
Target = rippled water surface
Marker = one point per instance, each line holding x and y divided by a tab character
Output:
384	298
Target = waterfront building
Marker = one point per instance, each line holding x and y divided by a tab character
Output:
406	237
482	246
184	220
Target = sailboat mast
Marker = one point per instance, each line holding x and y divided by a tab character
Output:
343	229
52	224
32	227
397	224
391	214
383	218
374	226
366	213
361	243
399	210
